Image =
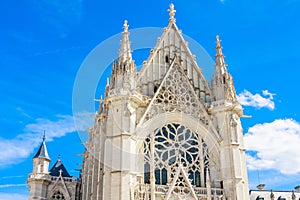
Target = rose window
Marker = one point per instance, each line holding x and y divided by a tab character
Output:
175	144
57	195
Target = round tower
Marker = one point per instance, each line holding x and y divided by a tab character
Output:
39	179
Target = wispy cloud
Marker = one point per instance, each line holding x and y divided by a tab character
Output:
12	185
55	51
14	150
275	146
60	13
61	16
246	98
10	177
5	196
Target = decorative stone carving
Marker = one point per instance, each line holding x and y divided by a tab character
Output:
176	95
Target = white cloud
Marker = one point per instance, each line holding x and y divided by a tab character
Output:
267	93
246	98
14	150
5	196
275	146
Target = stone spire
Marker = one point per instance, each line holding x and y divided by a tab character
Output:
125	51
124	63
123	67
220	62
172	12
222	81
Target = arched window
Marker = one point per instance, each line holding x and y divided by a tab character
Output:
155	89
167	59
175	144
42	168
57	195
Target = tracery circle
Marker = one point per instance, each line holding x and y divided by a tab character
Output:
58	195
176	144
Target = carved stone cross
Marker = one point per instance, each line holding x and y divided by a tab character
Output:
60	172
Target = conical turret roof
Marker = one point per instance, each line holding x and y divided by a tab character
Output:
42	152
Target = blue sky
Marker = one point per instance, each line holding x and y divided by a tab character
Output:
44	42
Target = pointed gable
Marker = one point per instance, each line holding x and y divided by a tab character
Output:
58	168
170	45
181	186
59	190
176	94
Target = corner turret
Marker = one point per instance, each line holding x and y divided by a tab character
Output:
41	159
39	179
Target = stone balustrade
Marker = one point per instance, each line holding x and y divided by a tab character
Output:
52	178
161	190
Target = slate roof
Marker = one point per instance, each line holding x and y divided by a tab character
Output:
55	170
42	152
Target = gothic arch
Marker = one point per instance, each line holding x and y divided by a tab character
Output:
61	188
206	132
211	140
199	154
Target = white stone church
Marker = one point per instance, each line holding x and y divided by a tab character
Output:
161	133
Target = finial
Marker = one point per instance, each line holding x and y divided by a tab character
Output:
44	136
219	54
218	41
125	26
58	157
172	12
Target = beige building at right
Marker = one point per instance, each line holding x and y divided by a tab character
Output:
275	194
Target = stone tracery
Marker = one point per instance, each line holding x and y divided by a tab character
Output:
57	195
176	95
176	144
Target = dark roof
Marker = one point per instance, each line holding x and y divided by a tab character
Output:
55	170
42	152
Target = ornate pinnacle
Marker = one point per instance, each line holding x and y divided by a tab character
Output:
172	12
219	54
218	41
125	26
222	76
218	46
125	51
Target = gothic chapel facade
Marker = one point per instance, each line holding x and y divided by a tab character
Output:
165	133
